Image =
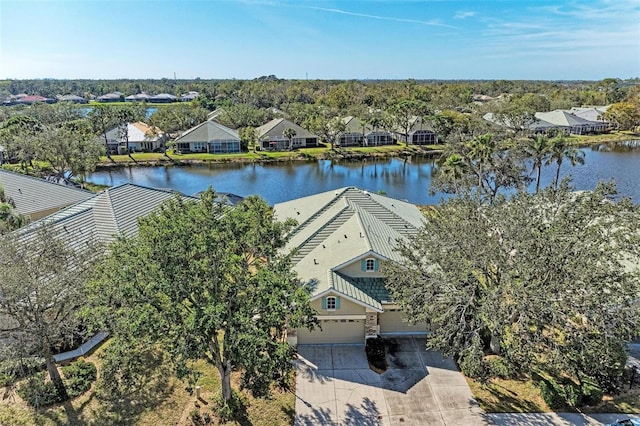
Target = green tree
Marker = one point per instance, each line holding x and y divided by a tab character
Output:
174	119
559	149
42	282
404	115
289	133
10	219
538	149
327	124
205	281
70	149
548	281
625	115
248	138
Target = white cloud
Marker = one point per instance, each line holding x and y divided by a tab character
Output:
463	14
379	17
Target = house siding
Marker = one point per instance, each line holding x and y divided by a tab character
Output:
347	307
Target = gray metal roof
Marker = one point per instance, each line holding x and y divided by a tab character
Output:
277	126
339	228
207	132
35	197
105	215
562	118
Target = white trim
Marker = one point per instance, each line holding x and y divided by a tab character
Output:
369	253
341	317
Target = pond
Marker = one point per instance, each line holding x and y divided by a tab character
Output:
406	180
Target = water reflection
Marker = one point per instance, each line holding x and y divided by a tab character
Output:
405	180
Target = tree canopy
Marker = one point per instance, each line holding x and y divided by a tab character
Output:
42	287
549	281
206	281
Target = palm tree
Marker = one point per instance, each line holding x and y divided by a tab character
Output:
481	149
558	151
538	149
453	169
289	133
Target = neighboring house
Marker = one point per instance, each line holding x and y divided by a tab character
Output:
140	97
211	137
188	97
343	239
575	125
573	121
110	97
162	98
140	137
36	198
595	114
379	137
73	99
32	99
271	136
353	134
421	133
104	216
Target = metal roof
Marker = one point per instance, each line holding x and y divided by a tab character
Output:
110	213
36	197
339	228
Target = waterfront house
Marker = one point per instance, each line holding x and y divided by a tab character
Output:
353	134
162	98
574	124
271	136
135	137
211	137
110	97
420	133
75	99
140	97
343	240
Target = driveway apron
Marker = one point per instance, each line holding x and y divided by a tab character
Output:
335	386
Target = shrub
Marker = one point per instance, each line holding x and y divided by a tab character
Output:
572	393
499	367
376	353
551	393
78	377
591	393
38	392
12	370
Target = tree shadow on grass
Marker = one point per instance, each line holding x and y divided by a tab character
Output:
507	401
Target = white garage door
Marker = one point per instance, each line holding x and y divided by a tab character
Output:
334	331
391	321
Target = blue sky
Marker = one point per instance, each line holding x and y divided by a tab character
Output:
330	39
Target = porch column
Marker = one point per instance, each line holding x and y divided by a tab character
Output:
371	327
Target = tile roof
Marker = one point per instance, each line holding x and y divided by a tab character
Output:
338	228
34	196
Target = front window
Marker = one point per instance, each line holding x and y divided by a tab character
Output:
331	303
370	265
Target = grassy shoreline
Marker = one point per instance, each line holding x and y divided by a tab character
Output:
318	153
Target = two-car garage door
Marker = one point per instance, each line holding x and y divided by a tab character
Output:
334	331
391	321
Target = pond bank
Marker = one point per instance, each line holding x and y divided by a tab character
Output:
149	160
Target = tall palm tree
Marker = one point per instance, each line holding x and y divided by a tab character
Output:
289	133
559	150
480	150
538	149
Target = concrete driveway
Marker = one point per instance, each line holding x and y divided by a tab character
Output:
335	386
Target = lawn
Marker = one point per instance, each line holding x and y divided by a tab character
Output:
160	400
523	396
